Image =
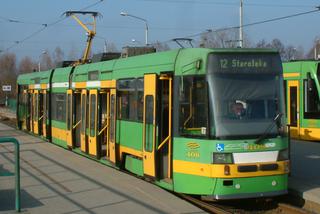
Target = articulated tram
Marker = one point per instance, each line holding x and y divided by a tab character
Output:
303	98
208	122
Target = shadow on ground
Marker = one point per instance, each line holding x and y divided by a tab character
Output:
7	200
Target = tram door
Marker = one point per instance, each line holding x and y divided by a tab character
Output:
36	112
83	131
69	119
149	124
93	109
25	110
30	110
40	113
111	151
293	108
44	113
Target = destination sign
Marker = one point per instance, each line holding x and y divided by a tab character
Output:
244	63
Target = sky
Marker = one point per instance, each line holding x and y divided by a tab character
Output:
24	21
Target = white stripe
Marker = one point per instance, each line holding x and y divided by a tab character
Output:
60	85
73	85
94	84
255	157
48	85
37	86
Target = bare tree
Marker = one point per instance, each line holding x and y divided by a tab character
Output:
8	73
286	52
222	39
311	52
160	46
26	65
73	53
58	55
293	53
46	61
111	47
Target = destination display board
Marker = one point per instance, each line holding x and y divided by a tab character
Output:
244	63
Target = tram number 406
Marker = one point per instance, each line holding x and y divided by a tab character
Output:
193	154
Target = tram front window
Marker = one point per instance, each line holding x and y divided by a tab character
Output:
244	93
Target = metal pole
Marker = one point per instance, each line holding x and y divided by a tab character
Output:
39	65
17	177
147	28
17	169
241	24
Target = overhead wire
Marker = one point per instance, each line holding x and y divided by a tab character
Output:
233	3
249	24
44	26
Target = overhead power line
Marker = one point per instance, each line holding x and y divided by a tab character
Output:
44	26
232	3
250	24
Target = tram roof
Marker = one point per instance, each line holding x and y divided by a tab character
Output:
34	78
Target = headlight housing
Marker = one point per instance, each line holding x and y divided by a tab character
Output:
222	158
283	155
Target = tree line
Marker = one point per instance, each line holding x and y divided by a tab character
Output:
10	67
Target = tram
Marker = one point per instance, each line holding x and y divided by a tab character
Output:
208	122
303	103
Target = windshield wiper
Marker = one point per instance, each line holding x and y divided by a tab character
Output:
268	129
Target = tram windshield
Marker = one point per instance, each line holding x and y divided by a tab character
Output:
244	94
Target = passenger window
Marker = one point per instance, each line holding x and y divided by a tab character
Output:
69	111
112	118
93	115
83	113
59	107
193	106
130	102
149	123
311	99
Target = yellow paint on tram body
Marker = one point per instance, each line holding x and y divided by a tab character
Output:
291	75
108	84
134	152
60	134
217	170
309	133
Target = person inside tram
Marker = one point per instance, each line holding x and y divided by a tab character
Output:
237	110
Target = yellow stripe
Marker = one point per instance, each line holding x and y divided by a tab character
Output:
43	86
81	84
31	87
130	151
291	75
108	84
60	134
217	170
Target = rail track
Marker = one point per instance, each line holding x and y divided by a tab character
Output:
209	207
247	206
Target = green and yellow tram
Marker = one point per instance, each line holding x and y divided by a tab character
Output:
303	103
208	122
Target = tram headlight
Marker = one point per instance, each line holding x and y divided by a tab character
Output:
222	158
283	155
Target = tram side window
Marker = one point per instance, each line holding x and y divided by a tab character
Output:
130	102
59	107
193	106
140	94
285	95
93	115
311	100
